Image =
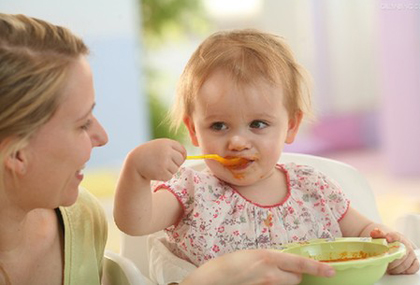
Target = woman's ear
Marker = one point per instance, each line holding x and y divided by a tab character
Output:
16	162
294	123
189	123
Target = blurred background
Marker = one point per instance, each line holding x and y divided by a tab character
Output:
363	57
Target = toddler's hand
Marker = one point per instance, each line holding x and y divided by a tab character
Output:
409	263
158	159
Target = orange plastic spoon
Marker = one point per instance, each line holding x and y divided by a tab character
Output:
234	161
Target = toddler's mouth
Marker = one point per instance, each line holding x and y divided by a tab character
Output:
243	163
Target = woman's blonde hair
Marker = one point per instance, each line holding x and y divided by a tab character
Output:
35	57
248	56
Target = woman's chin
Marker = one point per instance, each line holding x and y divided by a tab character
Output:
71	198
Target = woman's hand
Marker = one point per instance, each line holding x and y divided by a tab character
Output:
259	266
409	263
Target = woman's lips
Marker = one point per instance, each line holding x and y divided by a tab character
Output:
79	174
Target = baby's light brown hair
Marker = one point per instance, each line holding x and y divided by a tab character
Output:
248	55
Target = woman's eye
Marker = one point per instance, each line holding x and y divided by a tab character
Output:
218	126
86	125
258	124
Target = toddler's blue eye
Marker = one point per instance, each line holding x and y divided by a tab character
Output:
258	124
218	126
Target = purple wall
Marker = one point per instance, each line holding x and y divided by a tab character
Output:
399	46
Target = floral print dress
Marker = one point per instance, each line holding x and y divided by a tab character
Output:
218	220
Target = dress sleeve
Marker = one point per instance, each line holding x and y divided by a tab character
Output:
323	192
181	185
334	197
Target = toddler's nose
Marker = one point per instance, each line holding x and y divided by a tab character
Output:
238	143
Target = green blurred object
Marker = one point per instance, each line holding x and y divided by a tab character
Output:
166	18
160	126
361	261
165	21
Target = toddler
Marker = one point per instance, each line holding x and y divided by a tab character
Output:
242	94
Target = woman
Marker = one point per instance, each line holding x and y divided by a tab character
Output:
52	232
47	132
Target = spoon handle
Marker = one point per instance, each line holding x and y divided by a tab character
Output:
204	156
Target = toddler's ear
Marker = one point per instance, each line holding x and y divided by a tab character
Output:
191	130
294	123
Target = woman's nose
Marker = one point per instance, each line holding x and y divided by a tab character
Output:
99	136
239	143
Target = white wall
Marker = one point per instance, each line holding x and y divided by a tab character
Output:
111	30
334	40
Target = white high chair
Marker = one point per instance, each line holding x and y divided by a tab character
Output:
353	183
118	270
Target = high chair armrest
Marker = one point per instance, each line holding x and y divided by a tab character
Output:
118	270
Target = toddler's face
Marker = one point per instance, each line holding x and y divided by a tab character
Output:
241	121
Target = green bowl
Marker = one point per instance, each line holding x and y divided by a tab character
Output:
361	261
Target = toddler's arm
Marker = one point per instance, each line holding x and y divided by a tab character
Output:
355	224
138	211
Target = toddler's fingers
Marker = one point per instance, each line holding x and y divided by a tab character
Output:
394	267
180	148
164	176
172	169
401	265
393	236
413	268
178	159
400	269
377	233
180	153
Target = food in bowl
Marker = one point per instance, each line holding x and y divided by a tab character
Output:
347	256
361	261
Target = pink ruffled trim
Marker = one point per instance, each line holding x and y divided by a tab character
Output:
165	187
345	212
289	192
